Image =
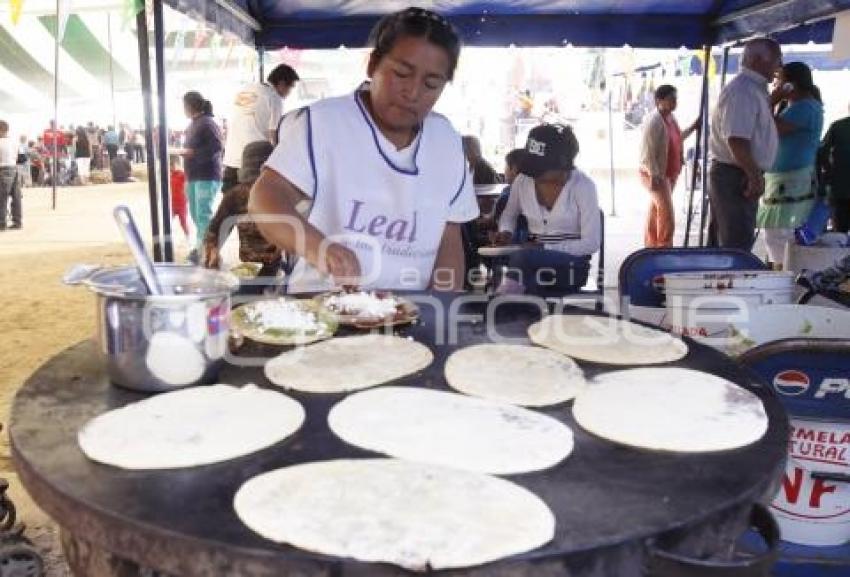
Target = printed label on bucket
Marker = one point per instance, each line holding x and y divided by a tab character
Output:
809	509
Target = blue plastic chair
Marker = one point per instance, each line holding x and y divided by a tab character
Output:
638	273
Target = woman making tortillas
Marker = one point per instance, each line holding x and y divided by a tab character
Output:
370	188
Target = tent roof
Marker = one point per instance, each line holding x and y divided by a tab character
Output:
639	23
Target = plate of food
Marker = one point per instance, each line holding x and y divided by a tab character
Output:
369	309
281	321
247	270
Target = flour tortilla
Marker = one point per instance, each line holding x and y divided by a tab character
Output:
452	430
388	511
515	374
348	364
191	427
608	340
670	409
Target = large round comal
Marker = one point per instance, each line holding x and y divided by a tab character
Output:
163	342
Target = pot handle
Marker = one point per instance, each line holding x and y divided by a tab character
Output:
79	273
667	564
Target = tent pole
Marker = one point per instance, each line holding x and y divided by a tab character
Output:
162	139
611	154
111	73
261	53
55	172
145	74
704	172
698	150
706	207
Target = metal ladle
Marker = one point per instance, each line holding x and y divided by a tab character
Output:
134	240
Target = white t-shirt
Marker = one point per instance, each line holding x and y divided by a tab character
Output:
389	206
256	111
572	226
8	152
743	111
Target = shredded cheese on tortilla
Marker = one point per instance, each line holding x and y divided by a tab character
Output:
363	304
281	314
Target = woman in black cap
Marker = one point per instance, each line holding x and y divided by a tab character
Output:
560	205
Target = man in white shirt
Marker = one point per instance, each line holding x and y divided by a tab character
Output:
255	116
742	145
9	185
561	207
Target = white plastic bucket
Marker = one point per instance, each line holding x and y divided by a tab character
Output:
775	322
814	511
702	305
799	258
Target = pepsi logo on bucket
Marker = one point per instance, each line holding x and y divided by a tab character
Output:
791	382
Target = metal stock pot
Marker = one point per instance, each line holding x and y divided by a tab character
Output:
162	342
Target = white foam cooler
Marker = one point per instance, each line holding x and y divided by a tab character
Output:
702	305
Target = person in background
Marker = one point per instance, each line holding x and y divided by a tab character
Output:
202	150
560	204
256	113
111	142
482	172
54	140
9	187
513	160
36	155
790	184
742	145
177	180
138	146
23	163
233	209
129	137
834	161
661	160
93	135
121	168
82	154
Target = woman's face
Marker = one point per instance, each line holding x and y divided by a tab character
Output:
668	103
407	82
187	110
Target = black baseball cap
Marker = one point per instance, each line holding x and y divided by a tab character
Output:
549	147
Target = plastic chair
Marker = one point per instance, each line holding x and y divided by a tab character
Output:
638	273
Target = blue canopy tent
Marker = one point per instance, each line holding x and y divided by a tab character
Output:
638	23
273	24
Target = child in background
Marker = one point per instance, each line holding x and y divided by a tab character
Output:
179	206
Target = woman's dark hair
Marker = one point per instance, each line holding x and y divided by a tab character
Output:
664	91
283	73
196	103
514	157
571	144
800	75
419	23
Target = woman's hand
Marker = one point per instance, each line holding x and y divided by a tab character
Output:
341	263
212	257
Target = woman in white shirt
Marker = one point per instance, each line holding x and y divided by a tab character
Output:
559	202
370	188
